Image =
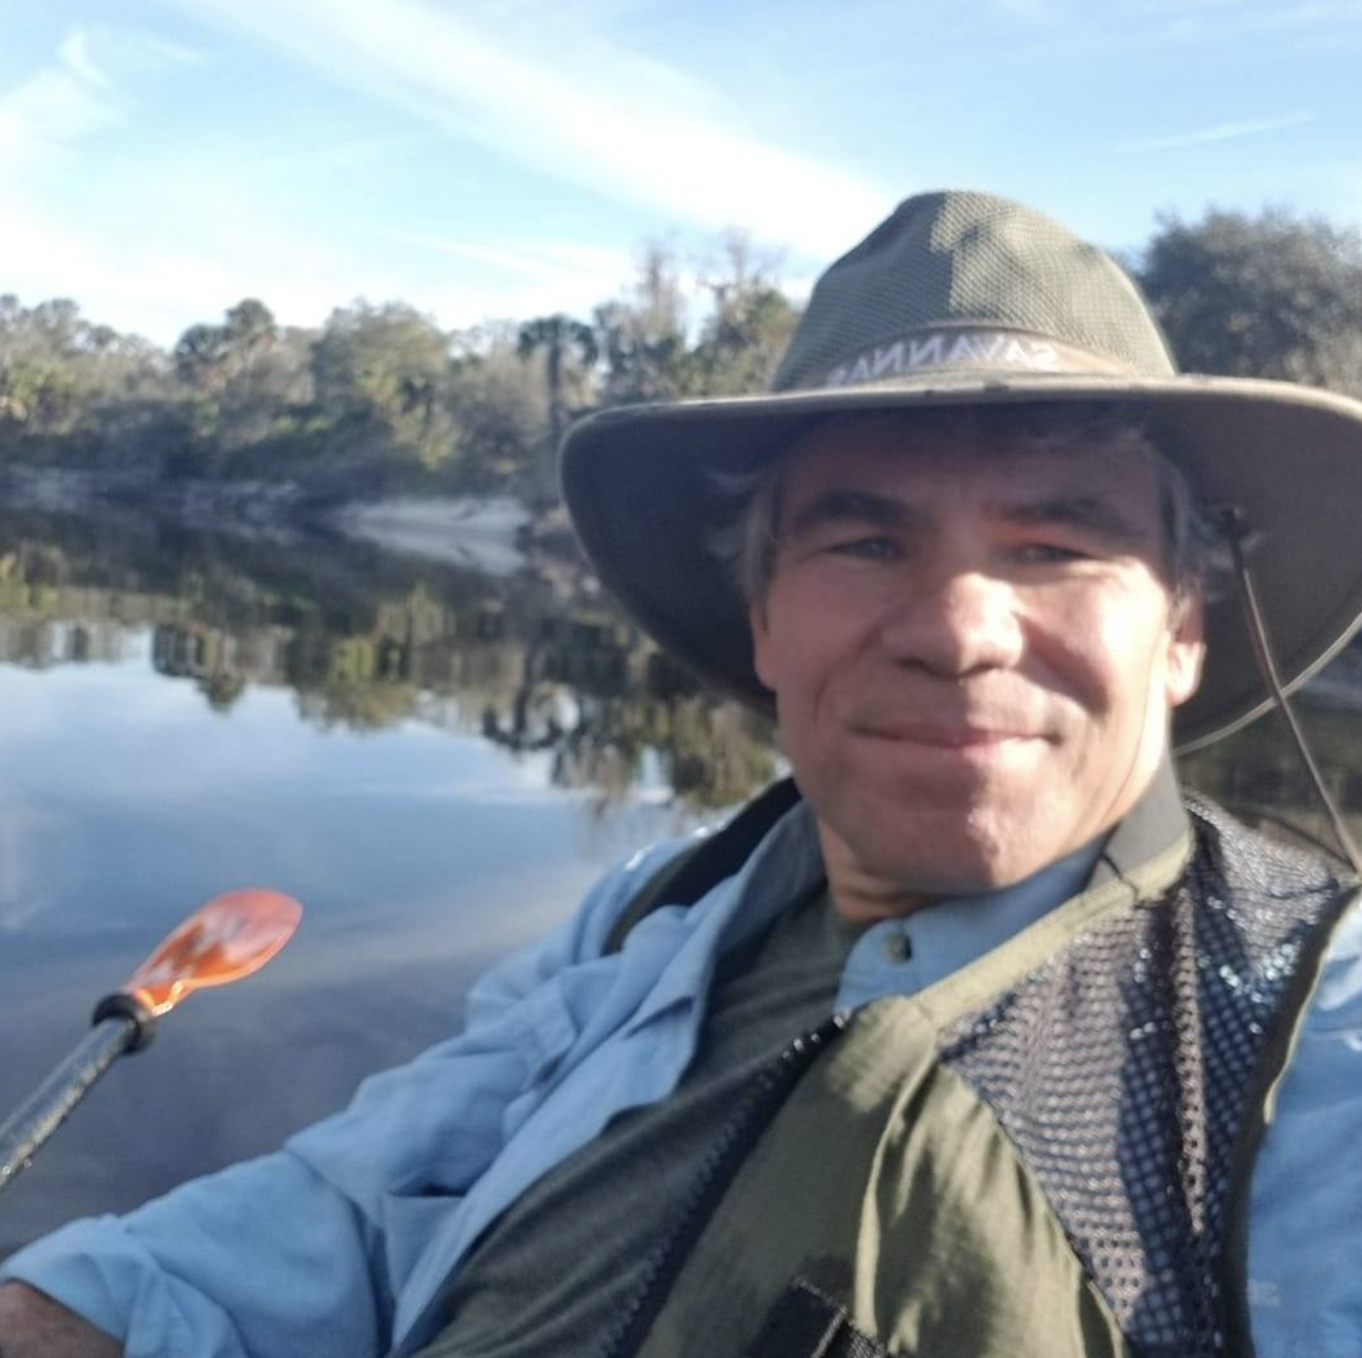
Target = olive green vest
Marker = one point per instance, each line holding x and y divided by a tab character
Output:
1045	1155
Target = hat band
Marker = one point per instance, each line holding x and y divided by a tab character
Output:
960	348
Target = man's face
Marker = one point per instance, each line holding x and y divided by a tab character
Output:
974	652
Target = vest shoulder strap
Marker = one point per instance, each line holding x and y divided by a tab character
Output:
686	877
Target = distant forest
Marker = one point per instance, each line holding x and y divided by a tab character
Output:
380	400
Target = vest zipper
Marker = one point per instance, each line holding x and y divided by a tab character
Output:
731	1147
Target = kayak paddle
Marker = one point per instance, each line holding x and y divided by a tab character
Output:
226	938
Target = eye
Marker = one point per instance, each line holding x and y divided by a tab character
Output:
871	548
1049	553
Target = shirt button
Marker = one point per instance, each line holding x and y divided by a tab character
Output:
898	947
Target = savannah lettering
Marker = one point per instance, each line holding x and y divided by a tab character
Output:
948	349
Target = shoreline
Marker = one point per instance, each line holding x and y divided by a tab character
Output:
494	533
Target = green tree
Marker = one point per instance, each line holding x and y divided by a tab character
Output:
250	326
749	325
57	369
383	372
500	412
643	336
211	356
35	387
247	377
569	350
1266	296
200	357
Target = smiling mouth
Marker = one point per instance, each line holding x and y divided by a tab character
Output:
936	736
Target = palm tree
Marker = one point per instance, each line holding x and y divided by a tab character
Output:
560	337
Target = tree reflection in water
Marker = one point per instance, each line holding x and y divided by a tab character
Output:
533	662
537	661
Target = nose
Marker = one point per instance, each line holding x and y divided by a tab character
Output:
954	622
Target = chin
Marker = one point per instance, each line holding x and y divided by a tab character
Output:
962	872
953	861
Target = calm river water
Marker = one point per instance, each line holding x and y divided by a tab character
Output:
436	760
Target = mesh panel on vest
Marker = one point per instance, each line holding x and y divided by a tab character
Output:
1121	1069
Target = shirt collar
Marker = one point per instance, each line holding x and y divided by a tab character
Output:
1155	823
901	956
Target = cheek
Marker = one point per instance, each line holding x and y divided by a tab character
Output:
1105	653
800	639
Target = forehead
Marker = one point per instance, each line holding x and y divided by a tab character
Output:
990	467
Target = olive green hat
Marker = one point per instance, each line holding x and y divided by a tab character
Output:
964	299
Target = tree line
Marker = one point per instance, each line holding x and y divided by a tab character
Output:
380	399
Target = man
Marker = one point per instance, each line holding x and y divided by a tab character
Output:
970	1049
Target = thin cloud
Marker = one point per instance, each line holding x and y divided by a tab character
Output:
159	290
1322	17
1222	21
547	261
1206	135
1040	13
185	261
78	94
61	103
516	278
609	120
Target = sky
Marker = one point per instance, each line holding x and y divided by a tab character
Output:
501	159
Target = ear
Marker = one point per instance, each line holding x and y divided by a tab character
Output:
763	659
1186	650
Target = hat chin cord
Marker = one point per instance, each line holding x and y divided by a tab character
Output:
1236	533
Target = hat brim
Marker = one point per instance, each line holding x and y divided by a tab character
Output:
639	482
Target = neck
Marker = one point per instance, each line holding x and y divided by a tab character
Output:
1155	821
862	899
859	895
867	902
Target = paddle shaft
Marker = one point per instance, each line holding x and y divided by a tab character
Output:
46	1108
224	939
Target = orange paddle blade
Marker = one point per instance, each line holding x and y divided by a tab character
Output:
228	937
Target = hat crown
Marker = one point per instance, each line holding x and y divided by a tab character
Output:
977	267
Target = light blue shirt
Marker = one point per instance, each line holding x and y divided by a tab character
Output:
342	1243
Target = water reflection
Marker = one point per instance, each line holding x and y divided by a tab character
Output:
532	662
535	661
437	762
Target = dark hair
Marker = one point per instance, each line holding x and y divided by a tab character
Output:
1196	552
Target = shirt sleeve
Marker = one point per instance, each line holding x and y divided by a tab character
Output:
261	1259
1305	1230
303	1252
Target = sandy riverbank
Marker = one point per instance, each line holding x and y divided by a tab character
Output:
483	533
472	532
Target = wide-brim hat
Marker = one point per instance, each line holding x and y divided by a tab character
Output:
963	299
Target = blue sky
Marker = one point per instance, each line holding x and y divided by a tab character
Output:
161	159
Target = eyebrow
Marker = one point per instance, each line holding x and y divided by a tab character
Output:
1090	513
841	504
